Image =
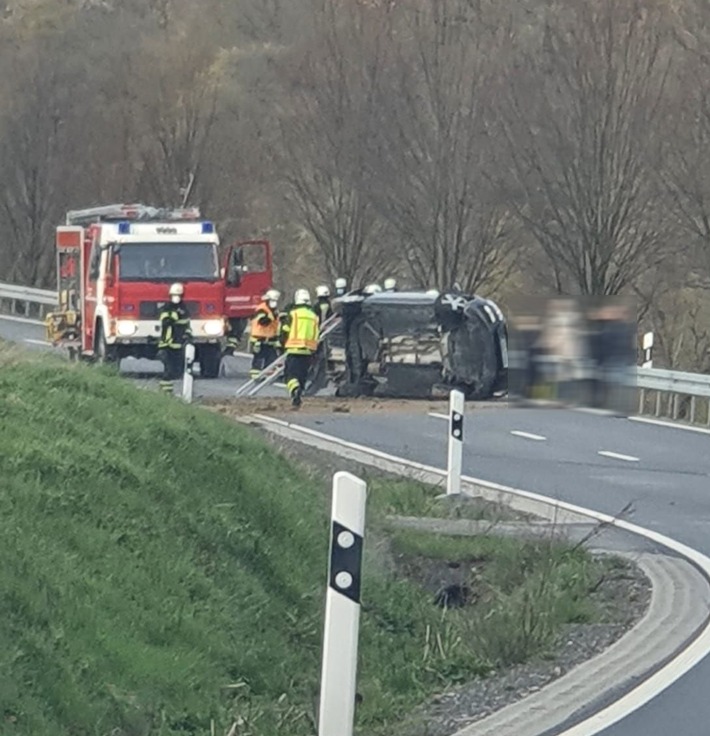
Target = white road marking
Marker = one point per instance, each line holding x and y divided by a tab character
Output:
592	410
672	671
436	415
527	435
672	425
618	456
37	342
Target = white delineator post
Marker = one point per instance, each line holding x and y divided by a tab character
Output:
342	608
647	350
187	377
453	471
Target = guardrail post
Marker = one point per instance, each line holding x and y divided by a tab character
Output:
455	458
675	406
692	409
336	715
658	403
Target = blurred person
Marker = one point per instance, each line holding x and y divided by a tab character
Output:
569	347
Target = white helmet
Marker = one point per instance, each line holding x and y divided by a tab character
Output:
341	283
322	291
390	284
301	297
372	289
176	293
272	295
432	292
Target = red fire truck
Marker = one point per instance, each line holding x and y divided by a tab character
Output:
115	265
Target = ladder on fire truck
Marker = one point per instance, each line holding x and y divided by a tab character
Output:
273	372
119	212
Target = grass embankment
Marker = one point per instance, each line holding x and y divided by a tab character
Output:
163	572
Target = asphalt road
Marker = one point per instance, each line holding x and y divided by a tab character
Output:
145	372
595	461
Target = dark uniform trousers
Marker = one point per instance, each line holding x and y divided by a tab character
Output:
296	371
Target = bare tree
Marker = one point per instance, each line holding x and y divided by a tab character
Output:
685	171
180	96
431	145
324	125
581	122
34	164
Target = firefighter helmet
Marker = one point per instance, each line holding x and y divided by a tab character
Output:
301	297
322	292
390	284
372	289
272	295
177	289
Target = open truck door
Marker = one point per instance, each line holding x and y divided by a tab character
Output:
248	274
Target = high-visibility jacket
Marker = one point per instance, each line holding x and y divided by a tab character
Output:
264	324
301	331
175	328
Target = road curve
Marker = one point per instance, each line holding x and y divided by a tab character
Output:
594	461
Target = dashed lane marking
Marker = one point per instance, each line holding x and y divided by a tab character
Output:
527	435
618	456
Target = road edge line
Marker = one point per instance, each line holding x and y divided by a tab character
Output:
652	686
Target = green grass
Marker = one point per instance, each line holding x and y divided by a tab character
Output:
163	568
526	590
406	497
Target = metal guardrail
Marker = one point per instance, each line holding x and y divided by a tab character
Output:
27	302
675	395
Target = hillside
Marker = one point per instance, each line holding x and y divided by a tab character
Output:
163	573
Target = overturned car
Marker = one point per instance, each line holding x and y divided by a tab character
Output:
416	345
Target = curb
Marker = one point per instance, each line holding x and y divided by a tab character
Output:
674	617
640	680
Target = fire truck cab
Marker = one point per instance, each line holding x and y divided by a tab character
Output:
115	266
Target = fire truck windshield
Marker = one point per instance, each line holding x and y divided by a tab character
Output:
168	262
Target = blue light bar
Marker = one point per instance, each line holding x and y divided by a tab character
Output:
124	228
207	227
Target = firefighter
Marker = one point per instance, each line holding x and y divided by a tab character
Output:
300	336
264	333
390	285
341	286
324	310
175	333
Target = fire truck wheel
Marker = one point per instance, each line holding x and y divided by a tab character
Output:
104	353
210	360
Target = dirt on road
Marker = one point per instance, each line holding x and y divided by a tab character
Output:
333	405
